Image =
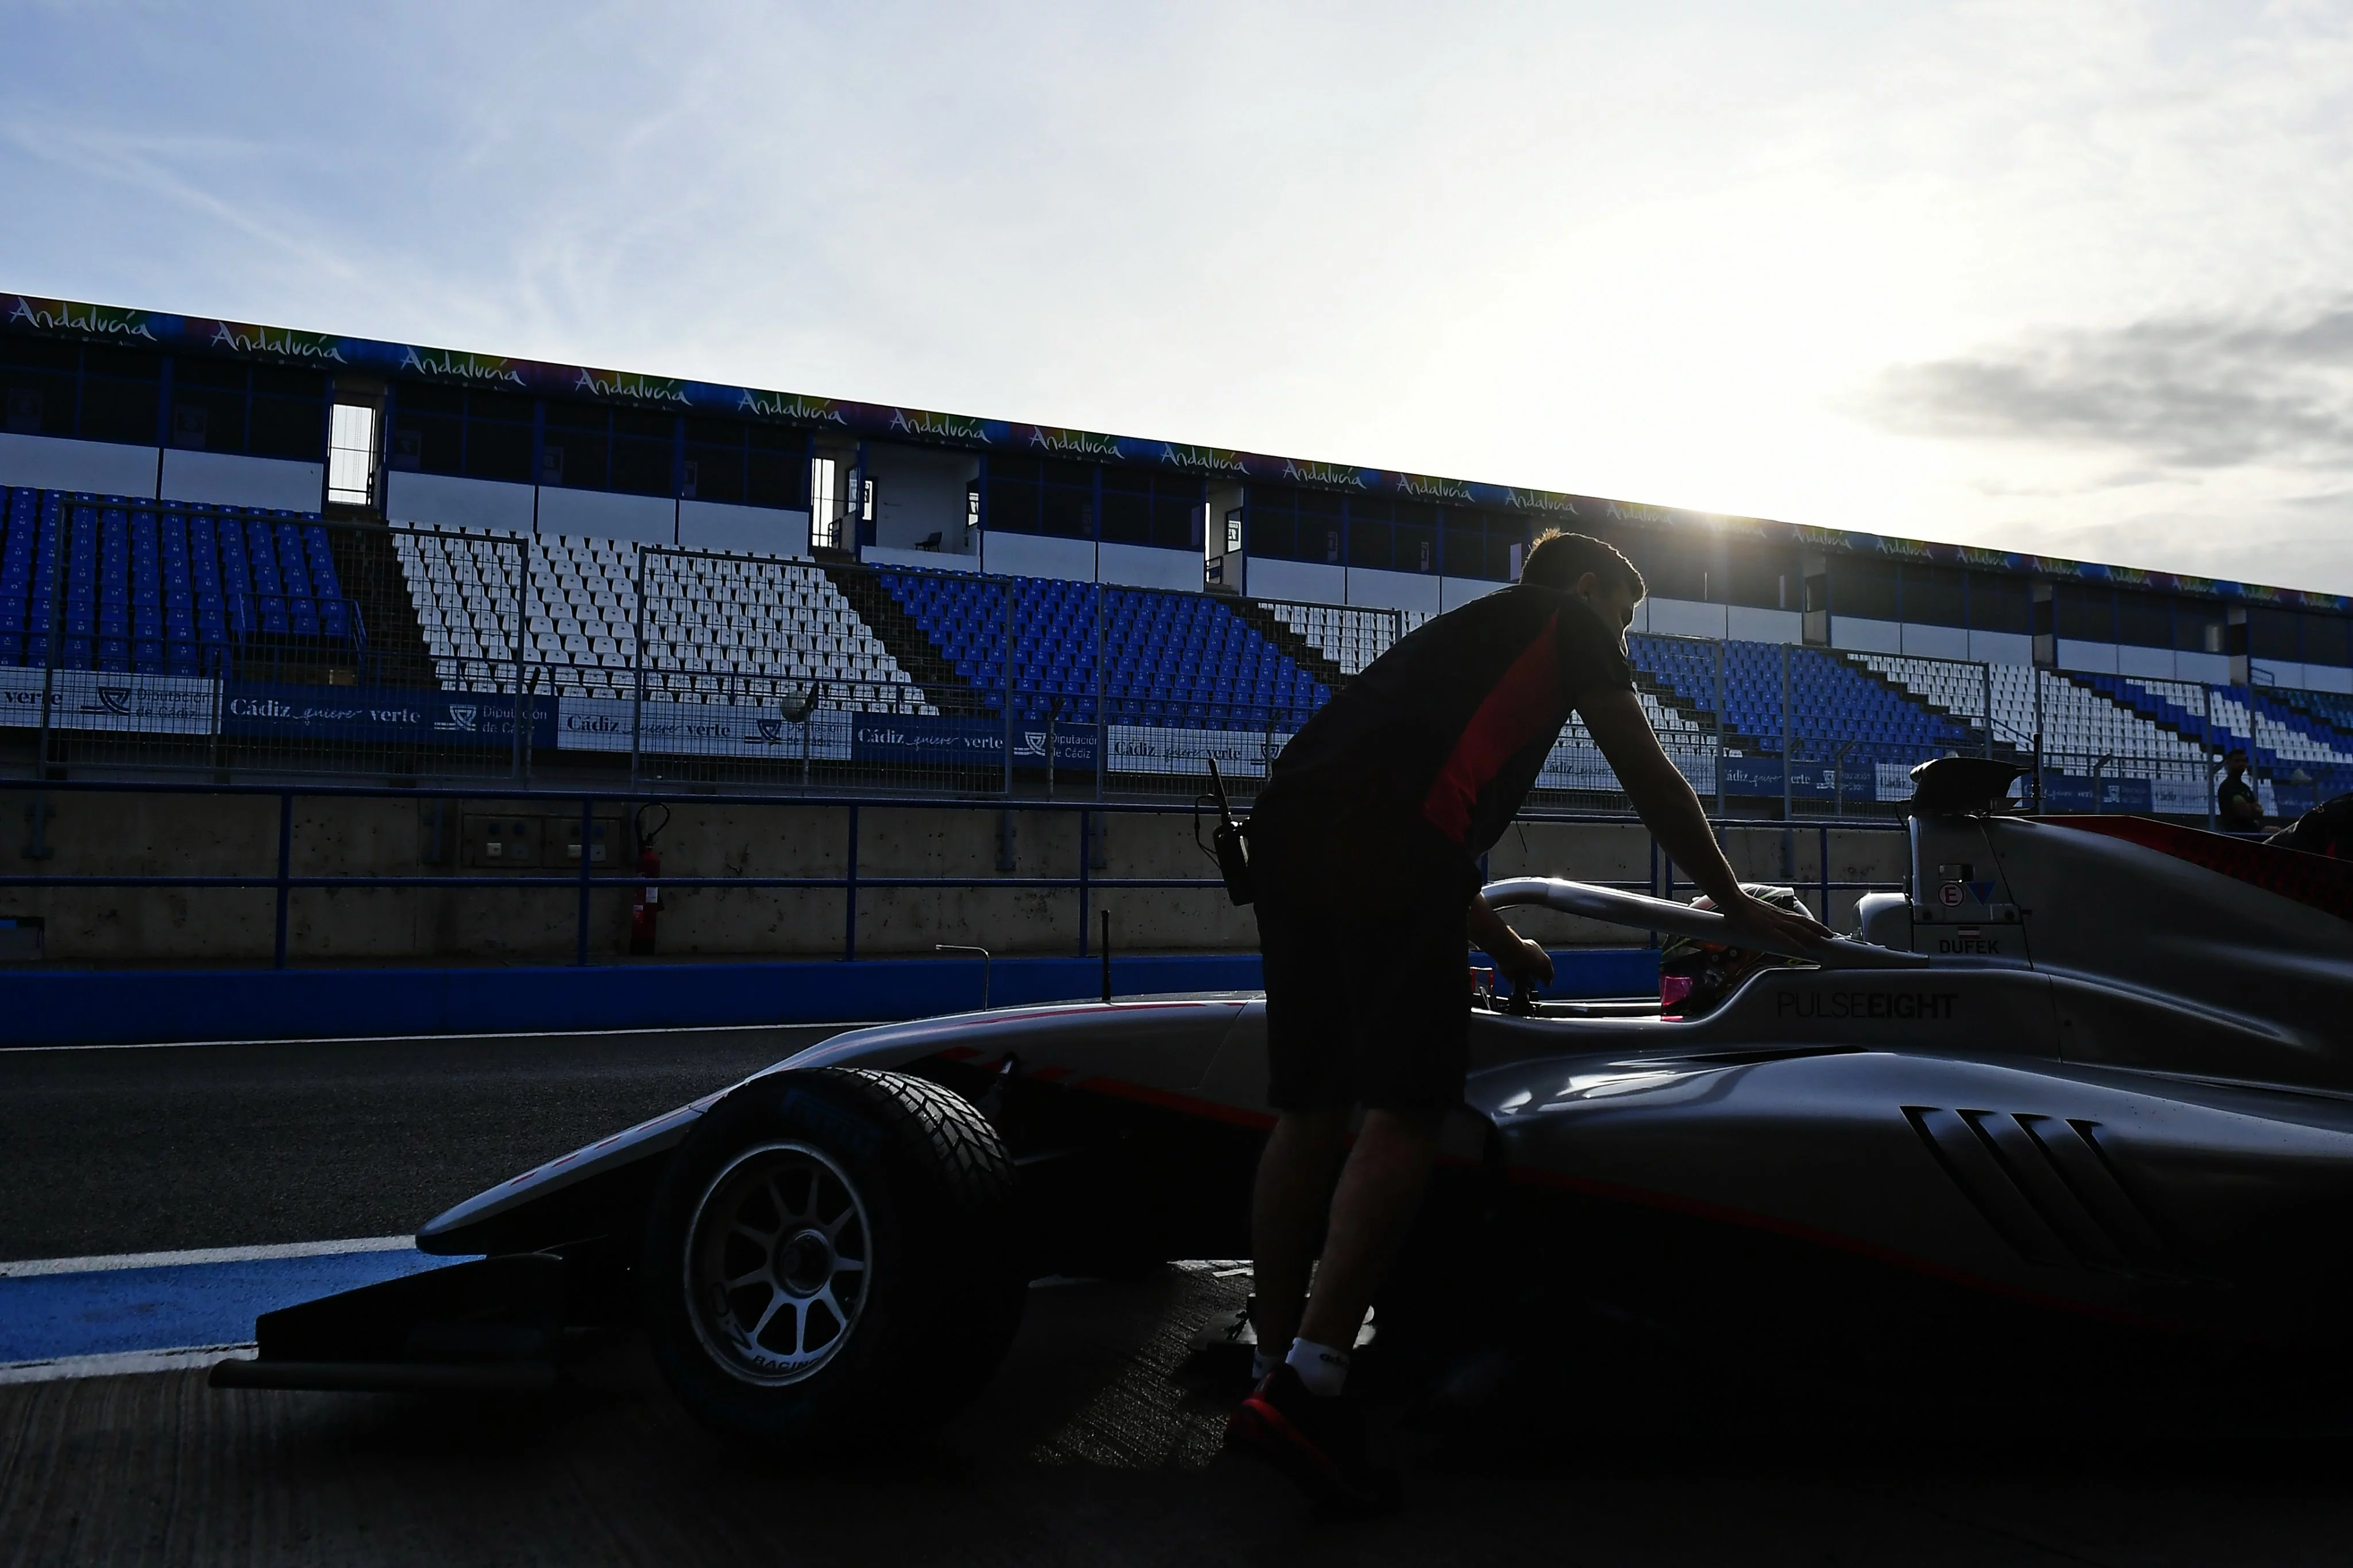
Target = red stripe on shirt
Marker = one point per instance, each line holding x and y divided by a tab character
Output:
1522	705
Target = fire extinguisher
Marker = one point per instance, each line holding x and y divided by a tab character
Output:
647	906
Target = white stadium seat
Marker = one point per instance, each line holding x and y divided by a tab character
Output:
714	628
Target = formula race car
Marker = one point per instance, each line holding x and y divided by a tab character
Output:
2088	1080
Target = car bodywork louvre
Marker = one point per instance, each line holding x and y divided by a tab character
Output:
2042	1182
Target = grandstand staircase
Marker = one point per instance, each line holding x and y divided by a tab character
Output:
2004	750
1290	644
394	652
1323	667
2170	726
896	630
1666	695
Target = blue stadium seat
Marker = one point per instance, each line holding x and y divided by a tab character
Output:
146	589
1165	658
1831	702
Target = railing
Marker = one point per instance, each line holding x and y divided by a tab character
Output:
1085	880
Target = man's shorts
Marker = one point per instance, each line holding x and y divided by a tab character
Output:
1367	994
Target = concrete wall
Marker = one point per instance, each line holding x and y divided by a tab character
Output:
142	835
1934	642
1866	636
1146	566
1306	582
55	463
450	502
1038	556
1392	590
2213	668
2013	647
1750	624
754	530
608	514
227	478
103	468
2307	677
1692	618
2091	658
1454	592
1678	618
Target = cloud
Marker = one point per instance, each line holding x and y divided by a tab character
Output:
2184	391
2335	505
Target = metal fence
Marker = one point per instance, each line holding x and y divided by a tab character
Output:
587	866
171	638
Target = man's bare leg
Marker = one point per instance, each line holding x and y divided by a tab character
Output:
1293	1421
1379	1194
1287	1208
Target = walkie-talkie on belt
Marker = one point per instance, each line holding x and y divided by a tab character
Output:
1231	841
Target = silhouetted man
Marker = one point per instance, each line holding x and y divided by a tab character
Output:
2235	805
1366	847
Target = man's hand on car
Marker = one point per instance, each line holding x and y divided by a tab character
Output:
1522	962
1765	925
1518	959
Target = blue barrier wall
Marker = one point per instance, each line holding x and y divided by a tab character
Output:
62	1007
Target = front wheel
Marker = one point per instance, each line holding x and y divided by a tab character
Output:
831	1256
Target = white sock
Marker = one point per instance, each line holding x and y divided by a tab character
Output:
1324	1369
1262	1365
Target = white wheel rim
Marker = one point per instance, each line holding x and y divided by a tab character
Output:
778	1256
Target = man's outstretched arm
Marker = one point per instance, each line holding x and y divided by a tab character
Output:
1521	959
1672	814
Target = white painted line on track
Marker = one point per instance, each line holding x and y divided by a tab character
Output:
64	1369
430	1039
31	1267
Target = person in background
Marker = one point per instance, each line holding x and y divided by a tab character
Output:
2235	806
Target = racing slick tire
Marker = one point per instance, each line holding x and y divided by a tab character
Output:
831	1257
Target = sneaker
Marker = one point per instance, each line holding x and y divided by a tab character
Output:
1318	1443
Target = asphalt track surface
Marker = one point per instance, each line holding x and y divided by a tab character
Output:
1096	1444
156	1149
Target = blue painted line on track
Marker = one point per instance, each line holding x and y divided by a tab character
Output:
107	1312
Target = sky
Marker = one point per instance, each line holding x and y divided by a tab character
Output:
2072	277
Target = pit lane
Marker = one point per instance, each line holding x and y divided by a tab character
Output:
1097	1442
148	1149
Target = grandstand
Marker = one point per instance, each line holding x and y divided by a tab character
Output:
116	586
181	532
